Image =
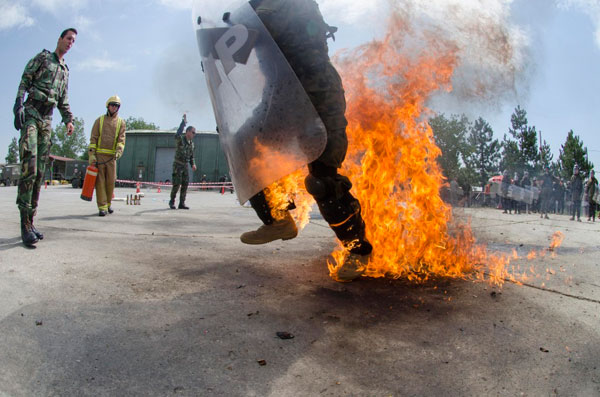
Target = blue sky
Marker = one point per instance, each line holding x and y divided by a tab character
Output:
145	51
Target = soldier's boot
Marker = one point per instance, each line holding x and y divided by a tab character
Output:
353	267
172	204
101	213
29	238
110	210
37	233
284	229
182	206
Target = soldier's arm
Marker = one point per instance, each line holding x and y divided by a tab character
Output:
63	105
180	129
192	163
31	69
94	137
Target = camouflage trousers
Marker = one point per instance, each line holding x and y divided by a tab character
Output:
181	178
34	149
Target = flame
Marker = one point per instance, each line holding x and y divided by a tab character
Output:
556	241
391	161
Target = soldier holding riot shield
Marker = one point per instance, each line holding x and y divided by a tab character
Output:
284	43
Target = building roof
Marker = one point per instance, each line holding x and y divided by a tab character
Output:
60	158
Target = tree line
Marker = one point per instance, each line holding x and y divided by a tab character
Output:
471	155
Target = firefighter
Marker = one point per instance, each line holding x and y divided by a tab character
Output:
299	30
107	143
46	81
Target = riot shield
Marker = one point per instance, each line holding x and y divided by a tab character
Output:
267	125
520	194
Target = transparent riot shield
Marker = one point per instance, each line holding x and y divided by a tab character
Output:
267	125
520	194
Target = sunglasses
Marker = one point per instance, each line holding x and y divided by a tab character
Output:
114	104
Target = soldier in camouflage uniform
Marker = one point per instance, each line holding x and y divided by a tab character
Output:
45	80
299	30
184	154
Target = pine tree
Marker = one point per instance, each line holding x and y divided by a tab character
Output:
13	152
484	153
520	152
546	156
449	134
571	153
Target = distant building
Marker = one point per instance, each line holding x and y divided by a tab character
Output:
148	156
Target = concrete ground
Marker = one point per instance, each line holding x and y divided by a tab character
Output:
157	302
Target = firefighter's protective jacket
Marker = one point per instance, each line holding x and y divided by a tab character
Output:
108	136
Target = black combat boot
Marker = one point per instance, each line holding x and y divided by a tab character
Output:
182	206
38	234
110	210
28	237
172	204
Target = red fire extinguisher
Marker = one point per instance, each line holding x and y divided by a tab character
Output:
89	183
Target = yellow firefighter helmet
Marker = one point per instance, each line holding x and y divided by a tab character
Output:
113	99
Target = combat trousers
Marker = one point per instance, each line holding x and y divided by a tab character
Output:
34	149
105	182
576	211
181	178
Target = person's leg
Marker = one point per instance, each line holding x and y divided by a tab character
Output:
176	180
28	153
43	149
184	185
111	177
338	207
101	181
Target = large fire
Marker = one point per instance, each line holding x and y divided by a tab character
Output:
391	162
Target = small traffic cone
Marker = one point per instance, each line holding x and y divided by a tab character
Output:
158	190
222	189
46	185
137	185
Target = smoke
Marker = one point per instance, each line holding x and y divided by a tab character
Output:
494	62
180	82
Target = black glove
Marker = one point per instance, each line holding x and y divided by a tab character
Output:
19	113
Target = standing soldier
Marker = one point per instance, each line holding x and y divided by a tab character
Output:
46	81
576	190
106	147
184	153
590	190
525	183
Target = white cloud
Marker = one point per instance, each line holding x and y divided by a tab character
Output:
102	64
179	4
13	15
57	6
590	7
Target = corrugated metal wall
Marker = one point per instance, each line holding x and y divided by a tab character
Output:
139	158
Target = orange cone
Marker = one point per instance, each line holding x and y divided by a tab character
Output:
158	190
137	185
46	185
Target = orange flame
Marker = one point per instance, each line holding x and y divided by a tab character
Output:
556	241
391	162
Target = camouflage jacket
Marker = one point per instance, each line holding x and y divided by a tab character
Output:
184	149
46	81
